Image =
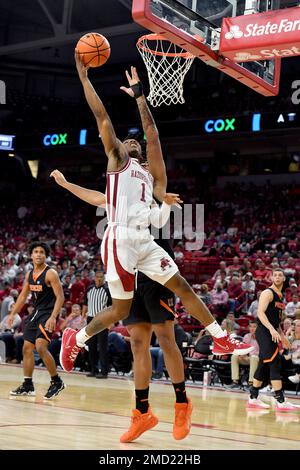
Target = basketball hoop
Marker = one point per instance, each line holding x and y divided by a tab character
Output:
167	65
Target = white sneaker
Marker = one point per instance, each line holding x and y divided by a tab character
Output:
286	406
268	390
294	378
257	404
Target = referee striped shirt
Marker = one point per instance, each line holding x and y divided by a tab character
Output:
97	299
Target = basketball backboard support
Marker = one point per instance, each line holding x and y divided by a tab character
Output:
195	26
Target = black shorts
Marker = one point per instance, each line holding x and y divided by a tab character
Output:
268	349
147	305
35	327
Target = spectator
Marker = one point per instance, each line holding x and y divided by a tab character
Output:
228	325
117	343
295	351
235	266
222	268
77	289
75	320
12	297
219	298
249	359
262	273
289	268
221	279
85	279
293	307
235	292
291	290
7	333
254	306
248	285
204	294
230	316
286	326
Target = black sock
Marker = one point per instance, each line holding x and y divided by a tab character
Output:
56	378
28	381
279	396
180	392
141	400
254	391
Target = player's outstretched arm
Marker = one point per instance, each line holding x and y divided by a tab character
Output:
156	162
95	198
113	146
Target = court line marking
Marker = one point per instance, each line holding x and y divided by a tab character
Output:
163	422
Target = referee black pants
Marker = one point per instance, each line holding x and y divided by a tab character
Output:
98	350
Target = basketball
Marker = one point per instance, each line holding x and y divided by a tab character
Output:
94	49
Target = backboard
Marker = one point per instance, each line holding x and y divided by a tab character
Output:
195	26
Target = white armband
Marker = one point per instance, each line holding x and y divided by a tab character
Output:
160	215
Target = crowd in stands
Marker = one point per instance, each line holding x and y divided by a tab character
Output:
245	239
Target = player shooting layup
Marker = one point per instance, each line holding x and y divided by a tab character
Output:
127	243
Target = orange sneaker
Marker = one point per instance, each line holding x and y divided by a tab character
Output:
139	424
182	423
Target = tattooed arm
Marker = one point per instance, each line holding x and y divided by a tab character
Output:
155	159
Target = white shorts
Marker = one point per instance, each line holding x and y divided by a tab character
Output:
125	250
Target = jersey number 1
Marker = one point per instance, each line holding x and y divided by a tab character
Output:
143	192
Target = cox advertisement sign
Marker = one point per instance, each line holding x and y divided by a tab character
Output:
220	125
65	138
264	36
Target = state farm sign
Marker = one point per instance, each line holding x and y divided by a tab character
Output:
263	36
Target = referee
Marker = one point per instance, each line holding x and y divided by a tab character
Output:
97	298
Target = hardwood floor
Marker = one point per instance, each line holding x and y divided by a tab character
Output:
92	414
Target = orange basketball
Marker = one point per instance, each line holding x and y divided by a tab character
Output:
94	49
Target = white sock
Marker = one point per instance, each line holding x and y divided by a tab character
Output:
215	330
82	338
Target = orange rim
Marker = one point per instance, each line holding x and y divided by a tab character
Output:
158	37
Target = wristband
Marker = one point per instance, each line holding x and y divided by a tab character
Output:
137	89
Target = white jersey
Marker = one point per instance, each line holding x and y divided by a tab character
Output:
129	195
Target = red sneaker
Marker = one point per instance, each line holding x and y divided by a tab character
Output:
226	345
139	424
69	349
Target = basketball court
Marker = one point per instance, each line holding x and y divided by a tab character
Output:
92	414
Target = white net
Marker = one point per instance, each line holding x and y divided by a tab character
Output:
167	65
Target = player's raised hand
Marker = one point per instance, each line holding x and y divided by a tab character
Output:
59	177
81	68
135	86
172	199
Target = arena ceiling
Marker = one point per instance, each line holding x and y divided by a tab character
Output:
44	32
